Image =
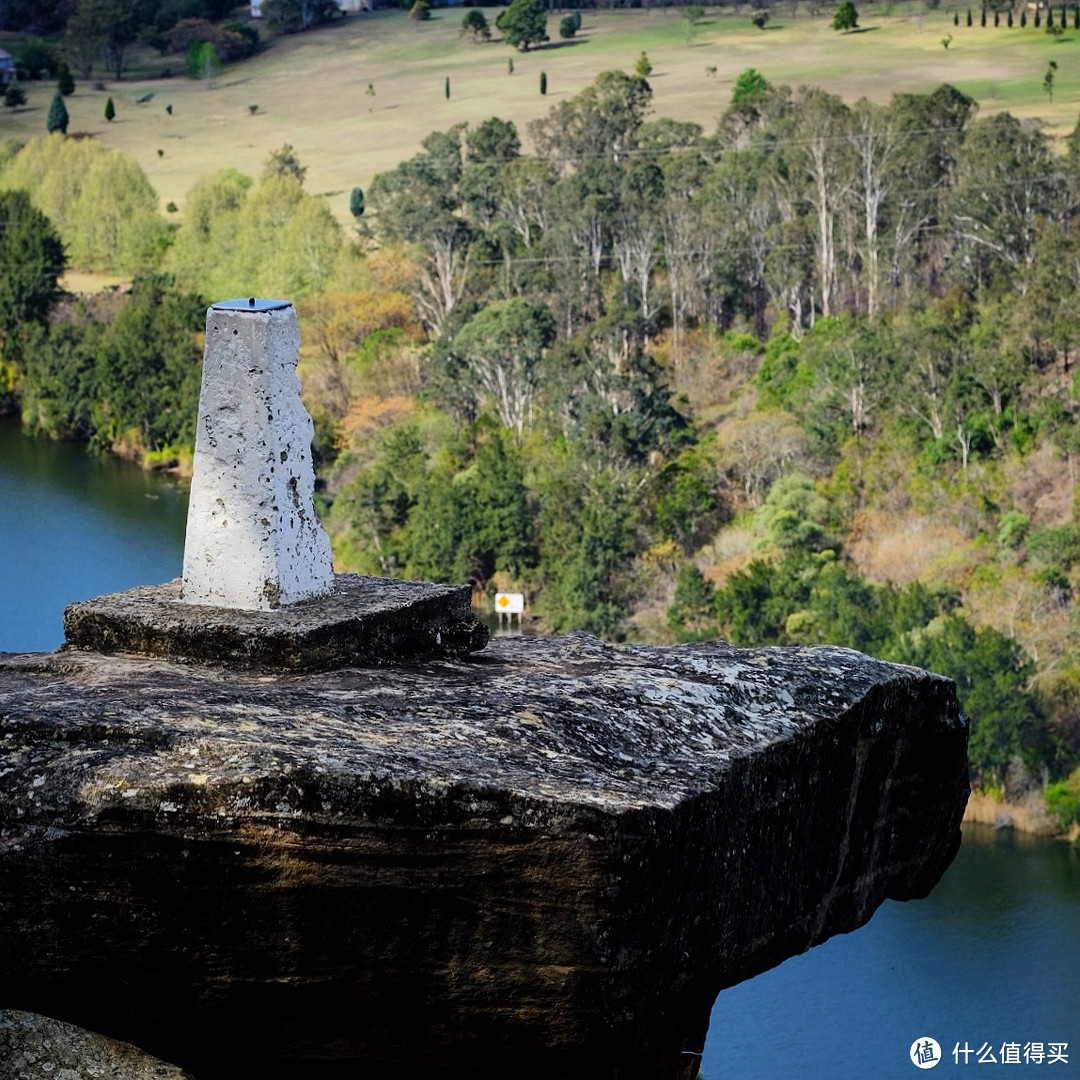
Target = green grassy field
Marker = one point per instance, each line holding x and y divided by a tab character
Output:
310	89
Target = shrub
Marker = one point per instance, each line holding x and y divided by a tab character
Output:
420	11
110	110
1012	529
543	82
846	17
58	115
14	95
65	81
1057	546
35	58
245	30
476	24
747	84
1063	800
567	28
691	616
760	18
356	202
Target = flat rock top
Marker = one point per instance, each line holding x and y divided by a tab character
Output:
568	718
353	597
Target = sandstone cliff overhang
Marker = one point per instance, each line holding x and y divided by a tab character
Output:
541	861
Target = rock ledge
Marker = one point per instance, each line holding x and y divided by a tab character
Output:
541	861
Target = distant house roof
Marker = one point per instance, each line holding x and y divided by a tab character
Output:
7	67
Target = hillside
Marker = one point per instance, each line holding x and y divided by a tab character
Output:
311	88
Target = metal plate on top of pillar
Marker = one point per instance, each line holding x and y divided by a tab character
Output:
250	303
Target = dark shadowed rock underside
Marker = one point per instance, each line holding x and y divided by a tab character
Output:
541	861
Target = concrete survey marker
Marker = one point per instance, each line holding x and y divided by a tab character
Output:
259	588
253	540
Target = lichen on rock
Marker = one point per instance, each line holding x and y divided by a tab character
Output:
545	858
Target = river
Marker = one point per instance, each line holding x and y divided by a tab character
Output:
990	961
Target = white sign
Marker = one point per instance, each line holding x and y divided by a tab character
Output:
509	603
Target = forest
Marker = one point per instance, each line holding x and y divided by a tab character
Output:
806	377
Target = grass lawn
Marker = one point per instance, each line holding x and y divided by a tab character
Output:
311	89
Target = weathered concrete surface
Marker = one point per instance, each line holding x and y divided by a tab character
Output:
35	1047
362	620
544	861
253	540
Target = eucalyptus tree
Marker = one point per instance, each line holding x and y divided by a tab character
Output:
820	155
1007	179
601	123
417	204
502	348
636	234
745	216
877	140
581	208
489	146
933	126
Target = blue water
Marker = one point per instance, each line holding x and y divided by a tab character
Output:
73	526
991	957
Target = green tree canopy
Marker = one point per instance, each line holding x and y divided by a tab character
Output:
502	347
846	17
475	24
32	257
99	201
57	119
523	23
748	84
600	122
